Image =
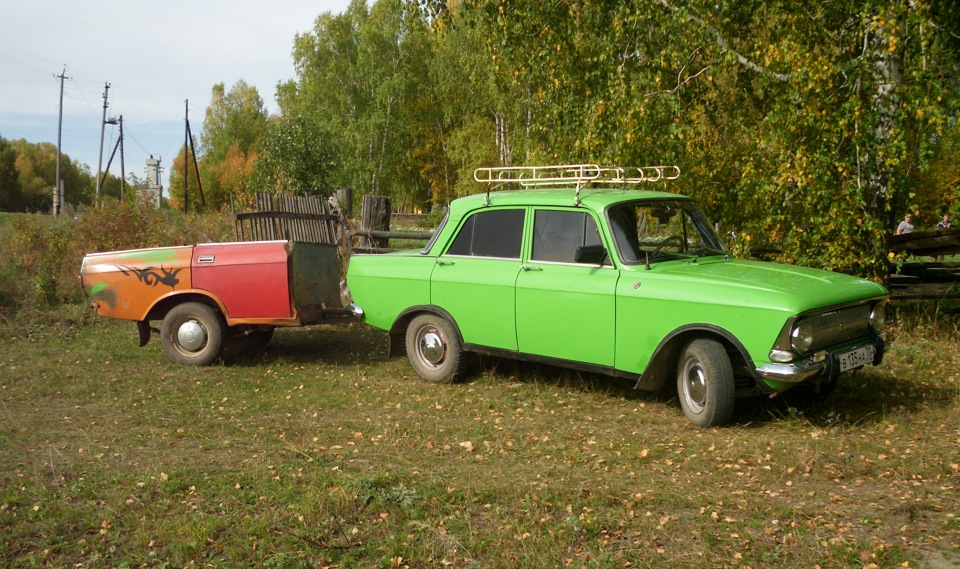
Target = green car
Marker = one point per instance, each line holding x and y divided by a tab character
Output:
579	268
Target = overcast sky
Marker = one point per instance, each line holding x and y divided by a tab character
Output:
154	55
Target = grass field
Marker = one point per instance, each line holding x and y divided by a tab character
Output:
320	452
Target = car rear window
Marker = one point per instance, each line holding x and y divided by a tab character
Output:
557	234
492	233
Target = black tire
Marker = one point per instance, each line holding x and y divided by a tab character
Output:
705	383
192	334
434	349
251	339
242	343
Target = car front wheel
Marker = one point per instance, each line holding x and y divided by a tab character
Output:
705	383
434	349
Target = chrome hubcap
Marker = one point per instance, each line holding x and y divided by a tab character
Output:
432	348
191	336
695	387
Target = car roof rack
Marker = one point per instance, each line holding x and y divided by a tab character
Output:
579	175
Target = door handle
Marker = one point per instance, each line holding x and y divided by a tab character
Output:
443	263
529	268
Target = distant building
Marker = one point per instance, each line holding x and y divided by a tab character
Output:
153	191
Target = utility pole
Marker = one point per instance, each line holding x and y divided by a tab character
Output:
123	173
58	190
119	145
186	148
103	124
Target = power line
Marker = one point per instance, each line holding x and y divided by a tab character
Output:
18	50
22	64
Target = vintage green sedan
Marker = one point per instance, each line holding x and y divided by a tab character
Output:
579	268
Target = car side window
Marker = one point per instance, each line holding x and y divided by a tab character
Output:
493	233
557	234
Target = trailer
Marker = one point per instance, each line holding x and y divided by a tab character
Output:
208	295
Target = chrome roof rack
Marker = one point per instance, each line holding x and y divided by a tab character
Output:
579	175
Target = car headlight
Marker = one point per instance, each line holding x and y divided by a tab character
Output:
801	339
878	318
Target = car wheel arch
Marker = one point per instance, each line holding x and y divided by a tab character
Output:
398	330
661	370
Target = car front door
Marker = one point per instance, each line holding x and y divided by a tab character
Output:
566	309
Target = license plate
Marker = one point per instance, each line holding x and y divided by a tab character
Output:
856	358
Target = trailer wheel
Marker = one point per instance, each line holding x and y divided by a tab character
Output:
705	383
434	349
192	334
249	340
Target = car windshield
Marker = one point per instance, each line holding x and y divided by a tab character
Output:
650	231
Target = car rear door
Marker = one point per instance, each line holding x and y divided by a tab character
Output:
475	277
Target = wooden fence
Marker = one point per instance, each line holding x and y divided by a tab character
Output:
293	218
315	220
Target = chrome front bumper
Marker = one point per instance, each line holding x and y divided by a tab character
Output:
820	364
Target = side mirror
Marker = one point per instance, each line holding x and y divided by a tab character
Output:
590	254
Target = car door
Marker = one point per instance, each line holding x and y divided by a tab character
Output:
566	309
475	277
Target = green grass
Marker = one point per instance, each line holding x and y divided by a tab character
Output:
319	452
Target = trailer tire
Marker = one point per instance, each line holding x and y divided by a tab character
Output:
249	340
193	334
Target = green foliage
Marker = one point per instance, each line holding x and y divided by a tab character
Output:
11	194
234	127
296	158
361	80
237	118
28	174
802	128
233	132
183	175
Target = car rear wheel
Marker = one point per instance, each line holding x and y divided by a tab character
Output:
705	383
192	334
434	349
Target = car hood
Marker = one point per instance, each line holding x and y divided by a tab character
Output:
758	282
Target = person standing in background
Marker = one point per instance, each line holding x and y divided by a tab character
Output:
906	226
944	223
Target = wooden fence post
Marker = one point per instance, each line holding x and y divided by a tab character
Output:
375	217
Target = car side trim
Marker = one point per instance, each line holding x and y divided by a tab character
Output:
559	362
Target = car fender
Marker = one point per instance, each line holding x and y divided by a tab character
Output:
398	330
662	368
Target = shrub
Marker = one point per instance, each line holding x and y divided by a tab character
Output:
41	268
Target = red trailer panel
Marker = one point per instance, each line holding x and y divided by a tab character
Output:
251	279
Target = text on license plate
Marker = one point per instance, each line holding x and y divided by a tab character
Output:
856	358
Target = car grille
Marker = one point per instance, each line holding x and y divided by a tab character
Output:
842	325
